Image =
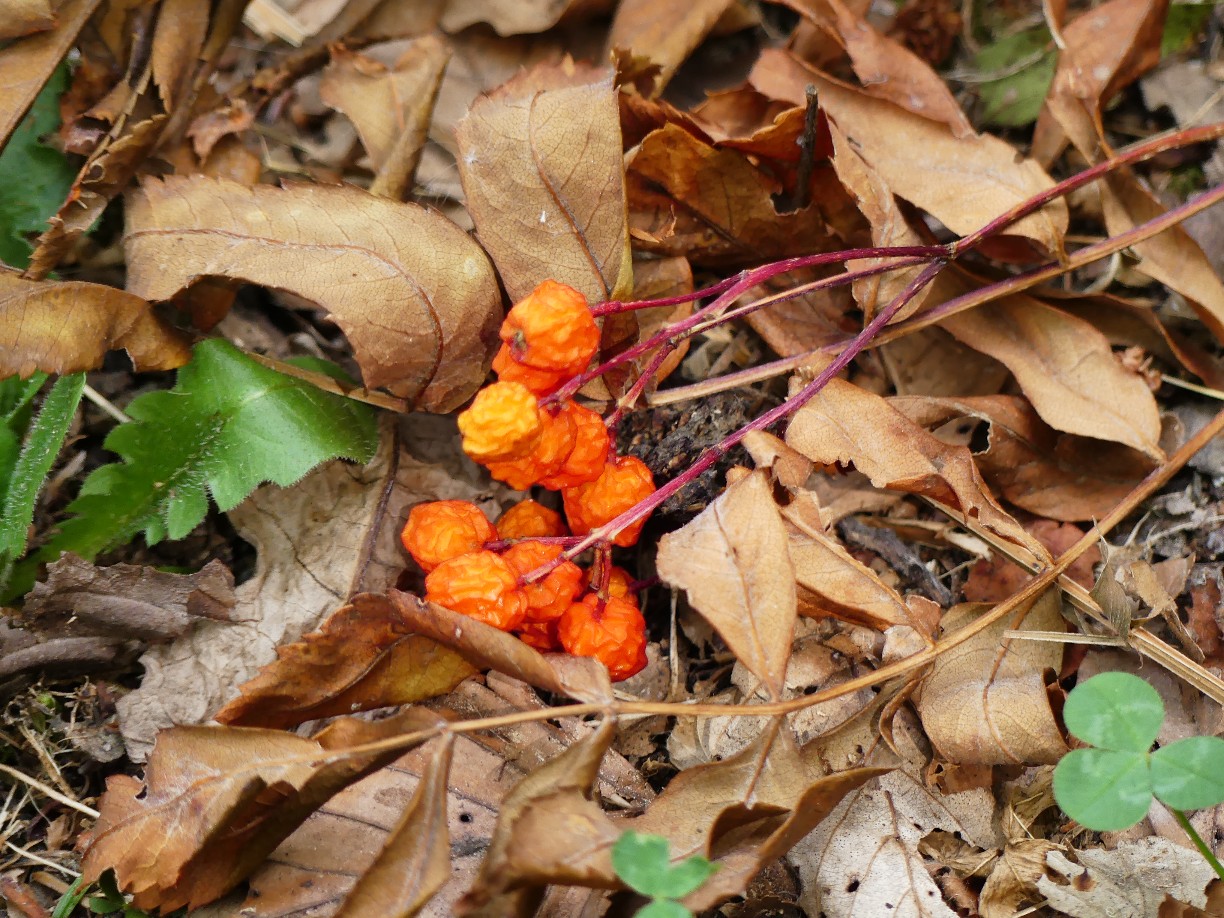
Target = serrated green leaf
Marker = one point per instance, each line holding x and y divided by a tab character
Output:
228	425
1189	774
1103	789
1115	711
643	863
34	178
1025	63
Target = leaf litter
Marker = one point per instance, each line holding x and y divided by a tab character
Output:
334	204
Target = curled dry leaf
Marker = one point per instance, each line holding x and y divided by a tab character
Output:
517	17
68	326
487	647
21	17
1066	368
844	423
733	562
663	35
177	42
362	658
985	701
415	296
540	159
217	800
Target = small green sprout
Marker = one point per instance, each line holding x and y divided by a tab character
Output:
643	862
1110	786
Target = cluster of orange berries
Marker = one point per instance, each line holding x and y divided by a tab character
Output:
525	439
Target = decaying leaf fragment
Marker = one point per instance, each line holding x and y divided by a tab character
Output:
415	296
21	17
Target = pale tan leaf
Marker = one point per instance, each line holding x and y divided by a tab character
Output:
985	702
415	862
844	423
664	34
1066	368
540	159
415	296
21	17
1013	880
518	17
733	562
68	326
177	41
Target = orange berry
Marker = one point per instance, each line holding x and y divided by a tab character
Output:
548	598
612	632
444	529
625	481
552	329
502	423
548	457
541	382
530	520
587	459
480	584
541	636
619	581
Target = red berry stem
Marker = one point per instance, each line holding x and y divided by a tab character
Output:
500	545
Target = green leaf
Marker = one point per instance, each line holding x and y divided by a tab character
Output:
1183	25
228	425
664	908
43	443
34	178
1024	64
1115	711
70	899
643	863
1189	774
1103	789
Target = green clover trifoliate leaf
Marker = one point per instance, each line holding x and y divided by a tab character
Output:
1189	774
1103	789
228	425
643	863
1115	711
663	908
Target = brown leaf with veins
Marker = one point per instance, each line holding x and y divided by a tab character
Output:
177	42
486	647
21	17
985	701
733	562
1066	368
540	159
844	423
360	659
663	34
68	326
217	800
415	862
416	297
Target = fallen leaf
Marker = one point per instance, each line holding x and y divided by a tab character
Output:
68	326
663	35
996	579
844	423
217	800
1013	880
415	862
516	17
415	296
540	159
733	562
656	278
178	39
984	701
25	16
363	657
929	361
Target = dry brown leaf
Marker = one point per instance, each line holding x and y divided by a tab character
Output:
486	647
68	326
733	562
518	17
361	658
984	701
844	423
929	361
25	65
415	862
1066	368
217	800
656	278
21	17
995	579
415	296
177	41
663	35
540	159
1013	880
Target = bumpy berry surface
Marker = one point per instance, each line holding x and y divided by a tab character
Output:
480	584
503	423
625	481
552	329
530	520
444	529
587	459
549	597
612	632
541	636
541	382
546	458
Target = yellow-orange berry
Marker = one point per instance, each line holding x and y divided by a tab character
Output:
541	636
444	529
587	459
479	584
530	520
502	423
548	457
552	329
625	481
541	382
612	632
549	597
